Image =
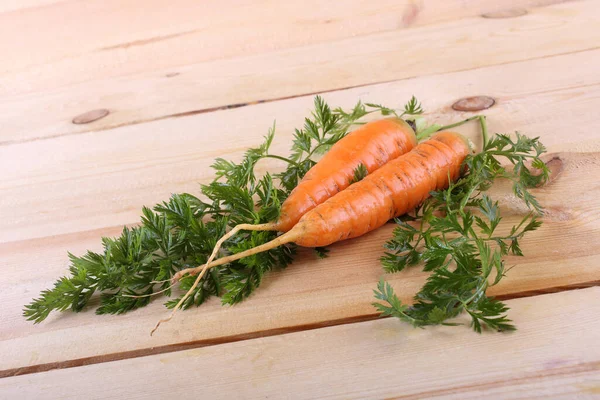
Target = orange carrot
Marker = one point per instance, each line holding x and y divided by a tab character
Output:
372	145
390	191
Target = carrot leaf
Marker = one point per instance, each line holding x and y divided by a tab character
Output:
454	235
322	252
359	174
413	107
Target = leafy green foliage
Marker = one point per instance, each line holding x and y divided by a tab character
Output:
413	107
359	174
382	109
242	174
181	232
322	252
385	293
401	250
454	234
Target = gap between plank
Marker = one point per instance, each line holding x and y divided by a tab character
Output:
270	100
79	362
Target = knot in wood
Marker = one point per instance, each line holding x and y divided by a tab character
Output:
475	103
90	116
510	13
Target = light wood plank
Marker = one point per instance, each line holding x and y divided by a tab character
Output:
320	67
109	38
554	354
112	173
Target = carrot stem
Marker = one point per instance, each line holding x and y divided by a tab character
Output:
482	123
484	131
148	295
287	160
454	125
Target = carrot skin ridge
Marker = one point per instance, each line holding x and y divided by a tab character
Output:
372	145
424	175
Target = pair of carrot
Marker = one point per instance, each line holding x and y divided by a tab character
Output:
325	207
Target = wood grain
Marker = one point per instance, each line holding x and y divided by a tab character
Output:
361	60
68	199
98	39
554	354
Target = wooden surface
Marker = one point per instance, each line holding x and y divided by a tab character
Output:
166	76
367	360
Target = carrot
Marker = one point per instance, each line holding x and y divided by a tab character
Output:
390	191
372	145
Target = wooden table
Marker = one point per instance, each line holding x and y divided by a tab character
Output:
108	105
